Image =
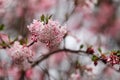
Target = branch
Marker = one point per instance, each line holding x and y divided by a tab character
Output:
31	44
78	52
54	52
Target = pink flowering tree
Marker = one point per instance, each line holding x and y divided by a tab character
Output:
79	41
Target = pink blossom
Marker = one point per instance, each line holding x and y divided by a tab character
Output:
20	53
51	33
113	59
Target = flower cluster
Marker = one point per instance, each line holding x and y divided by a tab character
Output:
20	53
113	59
50	33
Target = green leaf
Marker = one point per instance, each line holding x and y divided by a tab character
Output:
50	17
81	46
1	27
42	18
118	53
3	43
94	58
23	41
26	40
99	49
46	20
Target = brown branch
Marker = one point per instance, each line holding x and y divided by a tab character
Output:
78	52
54	52
22	77
31	44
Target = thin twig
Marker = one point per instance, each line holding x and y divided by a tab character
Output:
54	52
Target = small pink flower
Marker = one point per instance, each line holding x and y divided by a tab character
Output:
113	59
20	53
